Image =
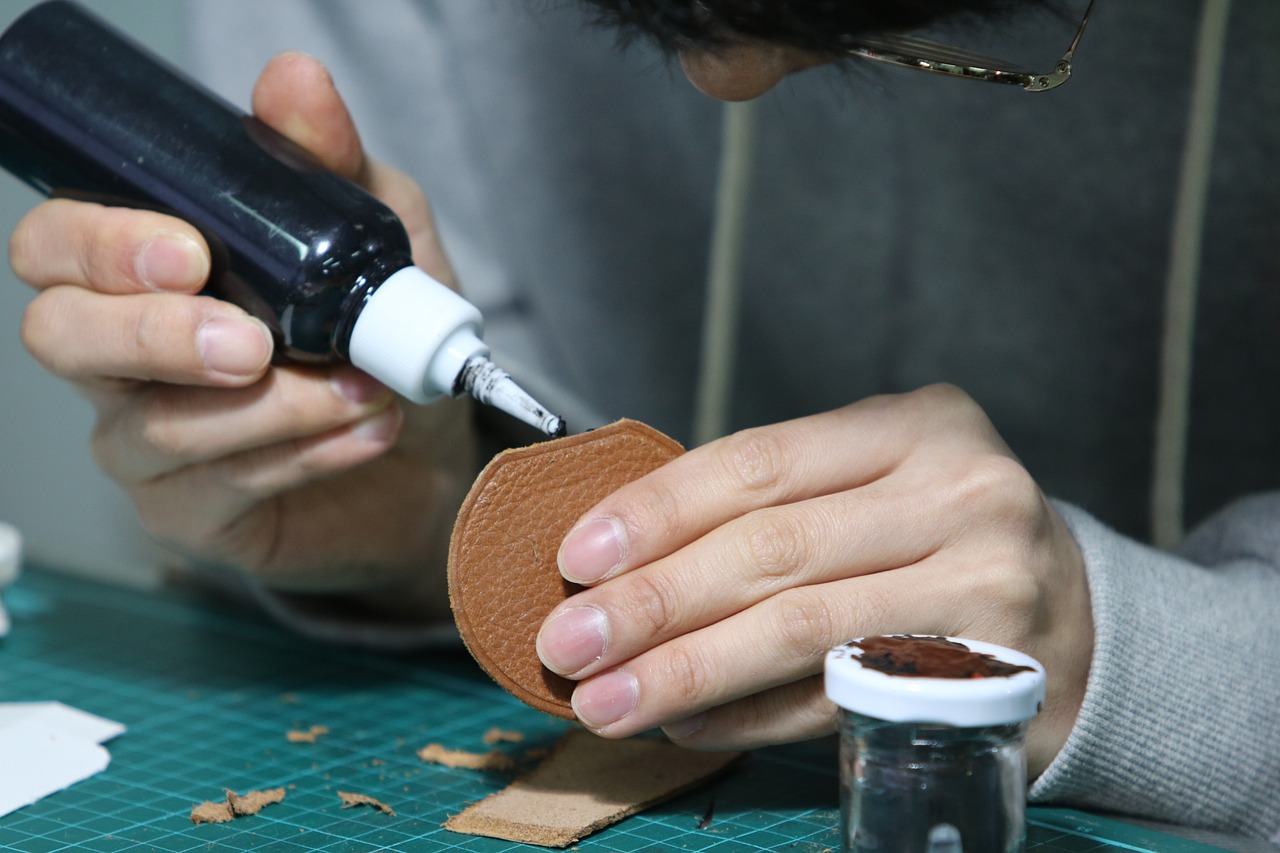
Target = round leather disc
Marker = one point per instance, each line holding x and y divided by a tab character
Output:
503	578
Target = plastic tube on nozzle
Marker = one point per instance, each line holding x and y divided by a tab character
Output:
450	358
87	113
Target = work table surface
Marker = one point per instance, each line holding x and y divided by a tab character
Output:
209	691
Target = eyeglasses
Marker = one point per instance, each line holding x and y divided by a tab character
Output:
911	52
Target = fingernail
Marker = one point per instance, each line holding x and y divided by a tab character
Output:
681	729
380	428
356	386
592	551
171	261
239	346
573	639
606	699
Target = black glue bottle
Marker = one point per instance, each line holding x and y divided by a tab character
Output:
87	113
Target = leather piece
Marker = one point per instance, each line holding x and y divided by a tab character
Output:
586	784
503	577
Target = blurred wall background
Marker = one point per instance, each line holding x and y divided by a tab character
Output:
71	516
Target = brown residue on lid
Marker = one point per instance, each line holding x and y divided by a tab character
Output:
930	657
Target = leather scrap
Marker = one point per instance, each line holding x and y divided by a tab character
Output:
352	800
503	578
235	806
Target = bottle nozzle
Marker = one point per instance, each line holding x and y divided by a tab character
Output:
493	386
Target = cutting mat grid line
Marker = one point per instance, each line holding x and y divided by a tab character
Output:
209	692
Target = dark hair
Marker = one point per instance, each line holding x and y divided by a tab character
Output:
820	25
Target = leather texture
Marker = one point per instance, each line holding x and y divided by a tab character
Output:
586	784
503	577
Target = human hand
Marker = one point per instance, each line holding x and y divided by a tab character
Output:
312	480
719	582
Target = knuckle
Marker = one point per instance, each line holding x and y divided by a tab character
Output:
754	459
152	323
111	245
1016	589
944	396
300	403
804	623
775	545
159	433
653	513
101	265
245	473
1010	596
686	675
307	403
1002	487
653	603
949	408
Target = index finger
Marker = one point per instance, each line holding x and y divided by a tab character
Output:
114	250
661	512
802	459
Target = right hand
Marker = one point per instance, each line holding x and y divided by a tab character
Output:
313	480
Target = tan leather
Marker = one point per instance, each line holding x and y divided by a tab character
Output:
586	784
503	578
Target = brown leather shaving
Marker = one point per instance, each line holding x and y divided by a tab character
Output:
235	805
311	735
350	800
434	753
499	736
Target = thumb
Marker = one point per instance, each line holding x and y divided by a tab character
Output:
296	96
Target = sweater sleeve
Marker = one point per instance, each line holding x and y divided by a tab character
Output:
1180	720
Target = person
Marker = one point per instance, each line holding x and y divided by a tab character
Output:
909	238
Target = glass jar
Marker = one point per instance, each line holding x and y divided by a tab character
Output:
934	762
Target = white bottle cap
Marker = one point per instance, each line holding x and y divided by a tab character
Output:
969	702
414	334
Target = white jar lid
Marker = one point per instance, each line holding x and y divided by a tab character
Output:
969	702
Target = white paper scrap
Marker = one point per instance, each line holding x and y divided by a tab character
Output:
61	717
46	747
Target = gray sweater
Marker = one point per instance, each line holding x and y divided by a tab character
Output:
904	229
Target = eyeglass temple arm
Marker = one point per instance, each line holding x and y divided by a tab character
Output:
1062	71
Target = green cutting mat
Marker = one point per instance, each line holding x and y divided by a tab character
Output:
209	692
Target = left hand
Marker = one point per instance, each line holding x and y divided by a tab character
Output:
308	479
719	582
